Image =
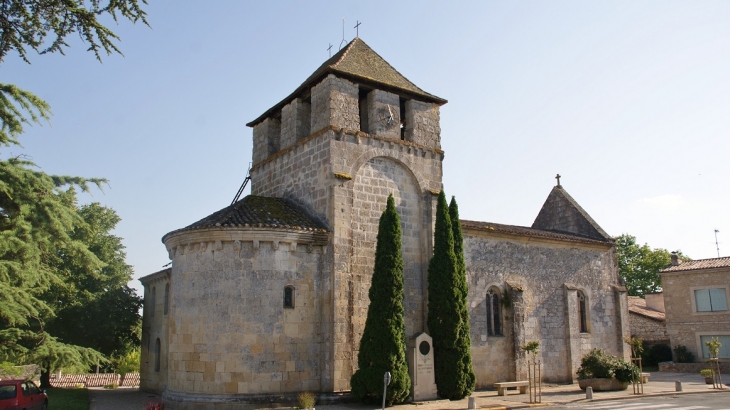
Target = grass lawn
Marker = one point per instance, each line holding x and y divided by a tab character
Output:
68	399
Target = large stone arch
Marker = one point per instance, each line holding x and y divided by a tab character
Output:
405	159
373	181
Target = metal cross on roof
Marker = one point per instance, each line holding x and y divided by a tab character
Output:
357	28
558	178
330	49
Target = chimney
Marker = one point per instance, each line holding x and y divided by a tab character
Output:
655	301
675	259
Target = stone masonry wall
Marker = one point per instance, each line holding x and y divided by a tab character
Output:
372	167
302	173
647	329
266	139
423	123
373	183
154	327
541	270
230	332
383	113
335	103
684	324
295	122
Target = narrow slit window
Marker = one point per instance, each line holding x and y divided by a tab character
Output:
494	314
289	297
582	312
152	301
157	355
167	298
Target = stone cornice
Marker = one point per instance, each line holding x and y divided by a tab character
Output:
341	133
216	236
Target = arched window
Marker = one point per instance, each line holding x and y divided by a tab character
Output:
289	297
157	355
582	312
152	301
167	297
494	313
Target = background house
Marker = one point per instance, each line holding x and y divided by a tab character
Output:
696	301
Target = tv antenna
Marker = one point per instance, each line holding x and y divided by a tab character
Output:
343	34
330	49
716	243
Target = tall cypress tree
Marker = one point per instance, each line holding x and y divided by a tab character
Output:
463	344
445	302
383	343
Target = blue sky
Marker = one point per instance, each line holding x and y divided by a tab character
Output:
627	100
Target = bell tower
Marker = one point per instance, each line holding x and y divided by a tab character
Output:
354	132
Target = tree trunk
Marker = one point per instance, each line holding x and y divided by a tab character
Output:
45	379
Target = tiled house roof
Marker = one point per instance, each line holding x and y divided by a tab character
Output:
258	212
525	231
358	62
711	263
637	305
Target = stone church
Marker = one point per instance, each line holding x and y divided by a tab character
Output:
268	296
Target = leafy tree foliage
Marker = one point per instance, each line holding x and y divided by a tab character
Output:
447	311
639	265
383	343
45	239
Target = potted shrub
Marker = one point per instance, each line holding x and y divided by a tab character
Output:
708	375
604	373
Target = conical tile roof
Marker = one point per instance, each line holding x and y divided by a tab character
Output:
258	212
358	62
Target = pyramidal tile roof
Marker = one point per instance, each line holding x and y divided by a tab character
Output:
358	62
561	213
711	263
258	212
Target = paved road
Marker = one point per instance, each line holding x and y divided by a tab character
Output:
716	401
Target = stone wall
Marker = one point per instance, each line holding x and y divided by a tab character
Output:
230	333
335	103
685	325
155	326
383	113
378	178
266	139
375	167
543	276
301	173
650	331
295	122
423	123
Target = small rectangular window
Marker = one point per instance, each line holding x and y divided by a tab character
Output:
718	298
711	300
724	349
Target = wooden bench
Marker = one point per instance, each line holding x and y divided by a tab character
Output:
503	386
645	377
